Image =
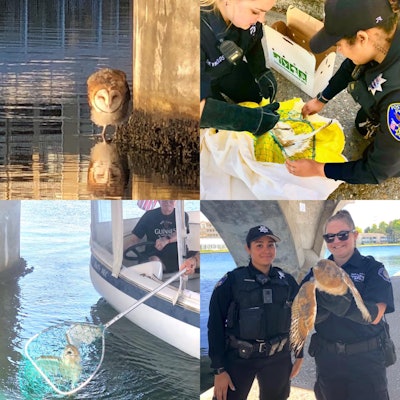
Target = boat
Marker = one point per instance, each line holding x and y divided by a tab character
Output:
173	313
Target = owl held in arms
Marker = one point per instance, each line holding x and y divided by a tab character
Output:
109	98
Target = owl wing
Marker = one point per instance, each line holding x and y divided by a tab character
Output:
304	311
357	297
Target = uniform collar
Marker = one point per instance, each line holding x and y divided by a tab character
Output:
355	260
391	57
273	271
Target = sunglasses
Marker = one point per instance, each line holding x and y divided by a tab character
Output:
342	236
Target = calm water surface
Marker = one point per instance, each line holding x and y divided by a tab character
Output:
47	51
55	245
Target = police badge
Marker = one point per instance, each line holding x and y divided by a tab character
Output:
393	120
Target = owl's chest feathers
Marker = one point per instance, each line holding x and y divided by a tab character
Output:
334	287
115	118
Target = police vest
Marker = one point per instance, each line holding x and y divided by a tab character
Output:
260	308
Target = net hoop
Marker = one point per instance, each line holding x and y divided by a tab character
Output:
46	378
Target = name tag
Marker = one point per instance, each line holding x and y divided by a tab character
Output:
267	296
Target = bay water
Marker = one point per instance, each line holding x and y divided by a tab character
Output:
56	288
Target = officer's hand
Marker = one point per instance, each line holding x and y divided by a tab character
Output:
269	118
337	305
312	106
221	384
268	85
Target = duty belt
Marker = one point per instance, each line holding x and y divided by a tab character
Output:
266	348
350	348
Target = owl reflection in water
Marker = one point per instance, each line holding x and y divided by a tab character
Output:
109	98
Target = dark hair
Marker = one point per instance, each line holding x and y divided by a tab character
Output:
341	215
387	26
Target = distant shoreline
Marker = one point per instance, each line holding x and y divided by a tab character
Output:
360	245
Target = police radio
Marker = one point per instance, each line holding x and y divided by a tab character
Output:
229	49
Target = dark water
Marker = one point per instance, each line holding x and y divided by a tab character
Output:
47	51
55	244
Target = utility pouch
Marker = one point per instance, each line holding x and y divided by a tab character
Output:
389	348
245	349
314	345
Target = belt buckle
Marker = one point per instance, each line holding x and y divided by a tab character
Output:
340	348
262	347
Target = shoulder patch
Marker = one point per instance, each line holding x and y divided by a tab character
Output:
221	281
393	120
384	274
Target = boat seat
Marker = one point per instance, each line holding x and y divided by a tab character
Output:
150	269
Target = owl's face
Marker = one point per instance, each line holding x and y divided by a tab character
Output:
108	100
71	355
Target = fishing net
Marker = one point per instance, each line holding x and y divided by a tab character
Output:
325	146
67	356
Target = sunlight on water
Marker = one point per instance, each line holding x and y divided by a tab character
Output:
48	50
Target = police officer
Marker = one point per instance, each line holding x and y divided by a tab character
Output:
348	350
365	31
249	320
231	30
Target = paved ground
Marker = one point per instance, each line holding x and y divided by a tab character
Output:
302	385
343	108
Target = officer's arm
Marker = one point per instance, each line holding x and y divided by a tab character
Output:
218	309
376	311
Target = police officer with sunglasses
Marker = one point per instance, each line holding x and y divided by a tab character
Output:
348	351
248	326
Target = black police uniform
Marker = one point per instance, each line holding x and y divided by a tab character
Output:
248	329
376	87
217	74
348	355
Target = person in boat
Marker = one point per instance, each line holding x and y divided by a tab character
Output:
159	226
367	33
233	67
249	322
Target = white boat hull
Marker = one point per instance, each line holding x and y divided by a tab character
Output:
178	325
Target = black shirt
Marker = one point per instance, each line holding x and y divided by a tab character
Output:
212	61
372	281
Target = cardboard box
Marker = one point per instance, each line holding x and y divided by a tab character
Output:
288	51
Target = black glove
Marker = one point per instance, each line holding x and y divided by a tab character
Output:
268	85
338	305
221	115
355	314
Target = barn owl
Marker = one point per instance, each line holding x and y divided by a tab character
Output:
329	278
109	98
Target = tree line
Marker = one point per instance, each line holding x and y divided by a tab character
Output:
391	230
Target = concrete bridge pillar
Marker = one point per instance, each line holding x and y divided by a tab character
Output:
166	57
299	225
10	211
